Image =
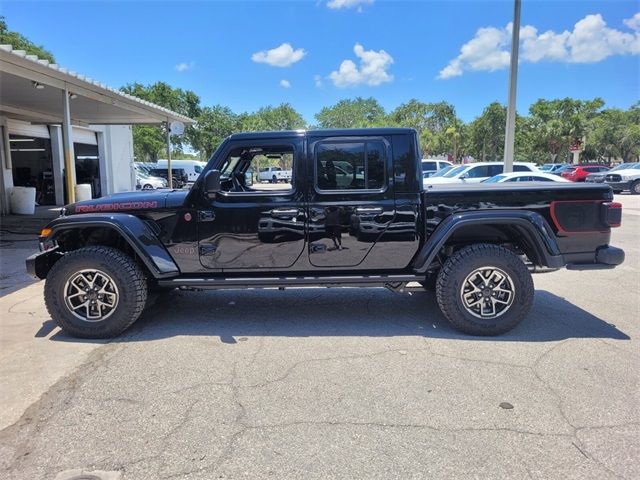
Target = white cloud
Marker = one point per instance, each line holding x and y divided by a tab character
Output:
634	22
184	66
590	41
338	4
282	56
372	70
285	83
317	79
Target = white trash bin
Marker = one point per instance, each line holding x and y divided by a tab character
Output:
23	200
83	192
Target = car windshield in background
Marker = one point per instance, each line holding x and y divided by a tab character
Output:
625	166
546	168
455	171
568	168
443	171
494	179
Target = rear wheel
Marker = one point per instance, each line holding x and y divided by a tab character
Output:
274	179
635	187
95	292
147	187
484	290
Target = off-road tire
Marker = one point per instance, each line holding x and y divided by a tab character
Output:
635	188
125	273
465	261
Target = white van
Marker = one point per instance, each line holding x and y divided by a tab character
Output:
193	168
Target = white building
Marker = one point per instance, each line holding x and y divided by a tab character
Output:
39	104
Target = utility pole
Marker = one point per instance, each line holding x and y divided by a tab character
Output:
510	132
169	173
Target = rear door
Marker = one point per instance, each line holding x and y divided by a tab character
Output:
351	199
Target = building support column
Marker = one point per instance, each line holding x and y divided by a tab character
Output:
57	160
69	154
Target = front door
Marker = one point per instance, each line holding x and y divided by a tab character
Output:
351	201
252	225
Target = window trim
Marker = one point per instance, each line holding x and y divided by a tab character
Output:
364	140
263	193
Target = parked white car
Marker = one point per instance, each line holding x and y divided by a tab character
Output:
274	175
193	168
525	177
477	172
433	165
148	182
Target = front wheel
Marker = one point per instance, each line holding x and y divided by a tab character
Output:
635	187
95	292
147	186
484	289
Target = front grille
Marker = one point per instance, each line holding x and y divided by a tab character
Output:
613	177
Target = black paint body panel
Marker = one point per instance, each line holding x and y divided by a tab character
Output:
398	229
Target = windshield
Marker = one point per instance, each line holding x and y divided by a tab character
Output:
625	166
455	171
547	167
442	172
495	179
567	168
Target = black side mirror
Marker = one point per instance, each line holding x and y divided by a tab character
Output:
212	183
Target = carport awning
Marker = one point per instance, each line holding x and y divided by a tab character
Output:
31	90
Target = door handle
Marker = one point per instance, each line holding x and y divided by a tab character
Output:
369	210
285	212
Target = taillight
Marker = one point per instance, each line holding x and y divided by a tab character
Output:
584	216
612	214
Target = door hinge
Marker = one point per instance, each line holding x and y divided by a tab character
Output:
206	216
207	249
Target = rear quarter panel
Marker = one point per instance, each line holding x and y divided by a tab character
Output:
445	200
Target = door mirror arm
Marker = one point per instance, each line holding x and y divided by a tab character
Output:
212	183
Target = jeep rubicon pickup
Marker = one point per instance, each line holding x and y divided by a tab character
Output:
355	214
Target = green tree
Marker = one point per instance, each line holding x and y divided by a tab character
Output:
615	134
20	42
214	125
485	138
282	117
556	124
149	141
357	113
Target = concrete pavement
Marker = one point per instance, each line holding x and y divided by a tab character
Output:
344	383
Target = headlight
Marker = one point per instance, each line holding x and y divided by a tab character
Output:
626	178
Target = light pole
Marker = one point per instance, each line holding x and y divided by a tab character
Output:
510	132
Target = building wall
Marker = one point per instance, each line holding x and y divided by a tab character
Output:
115	149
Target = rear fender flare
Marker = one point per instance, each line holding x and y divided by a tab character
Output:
530	225
138	235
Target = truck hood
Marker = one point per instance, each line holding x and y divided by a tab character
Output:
129	202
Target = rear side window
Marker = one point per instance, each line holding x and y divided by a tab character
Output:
521	168
407	172
350	165
429	166
480	171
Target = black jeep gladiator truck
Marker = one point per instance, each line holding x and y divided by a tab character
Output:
355	214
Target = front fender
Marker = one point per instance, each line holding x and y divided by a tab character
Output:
136	232
531	226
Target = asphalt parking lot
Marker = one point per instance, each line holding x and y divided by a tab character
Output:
316	383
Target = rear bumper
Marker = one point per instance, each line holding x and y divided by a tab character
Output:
605	258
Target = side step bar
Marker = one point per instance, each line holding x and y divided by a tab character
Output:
290	281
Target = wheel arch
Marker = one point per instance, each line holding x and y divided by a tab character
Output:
128	233
527	230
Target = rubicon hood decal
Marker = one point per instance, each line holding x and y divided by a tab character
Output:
115	207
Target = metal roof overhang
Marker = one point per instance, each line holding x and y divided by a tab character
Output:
92	103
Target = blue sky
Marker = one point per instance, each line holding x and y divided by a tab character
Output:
394	50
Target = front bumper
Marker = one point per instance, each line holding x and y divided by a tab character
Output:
620	185
39	264
605	258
